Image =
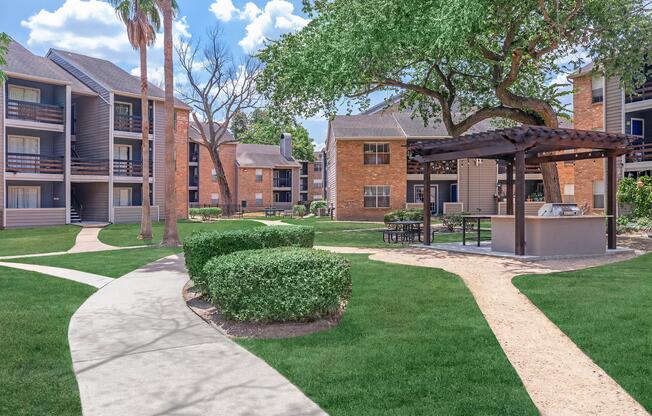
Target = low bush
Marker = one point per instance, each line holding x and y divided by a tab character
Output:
200	247
299	210
205	213
451	221
315	206
282	284
412	214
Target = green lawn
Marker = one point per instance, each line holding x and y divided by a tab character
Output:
607	312
36	376
126	235
106	263
412	342
325	224
37	240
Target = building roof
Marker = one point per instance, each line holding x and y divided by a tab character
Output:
21	61
111	76
262	156
195	136
582	71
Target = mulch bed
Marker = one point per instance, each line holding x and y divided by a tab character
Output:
209	313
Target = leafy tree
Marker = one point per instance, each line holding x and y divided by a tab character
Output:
637	194
4	42
455	61
260	128
142	20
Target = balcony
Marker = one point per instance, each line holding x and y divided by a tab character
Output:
130	123
134	168
640	94
29	111
82	166
639	153
33	163
282	183
448	167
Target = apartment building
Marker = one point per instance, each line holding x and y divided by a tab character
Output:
71	148
259	176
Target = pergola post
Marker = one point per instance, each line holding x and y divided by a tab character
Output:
519	206
510	187
612	184
426	203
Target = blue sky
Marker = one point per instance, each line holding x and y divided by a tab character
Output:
91	27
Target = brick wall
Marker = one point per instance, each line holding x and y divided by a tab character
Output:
312	175
353	175
206	184
582	173
181	177
248	187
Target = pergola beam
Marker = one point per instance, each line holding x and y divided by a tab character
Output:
519	206
564	157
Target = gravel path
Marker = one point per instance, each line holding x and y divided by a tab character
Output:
559	377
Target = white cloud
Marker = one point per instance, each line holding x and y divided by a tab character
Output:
250	11
223	10
276	19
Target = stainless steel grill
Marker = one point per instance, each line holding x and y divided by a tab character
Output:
559	210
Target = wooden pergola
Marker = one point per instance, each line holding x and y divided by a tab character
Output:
521	146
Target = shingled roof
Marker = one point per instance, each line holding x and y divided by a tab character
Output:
262	156
21	61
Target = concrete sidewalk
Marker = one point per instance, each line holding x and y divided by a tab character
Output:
138	350
68	274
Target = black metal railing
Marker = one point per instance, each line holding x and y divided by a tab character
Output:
437	168
83	166
639	153
282	183
640	94
128	167
130	123
34	163
42	113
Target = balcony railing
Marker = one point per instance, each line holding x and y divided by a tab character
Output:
193	157
33	163
639	153
131	124
126	167
82	166
437	168
282	183
42	113
640	94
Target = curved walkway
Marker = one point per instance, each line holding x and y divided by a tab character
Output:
68	274
559	377
138	350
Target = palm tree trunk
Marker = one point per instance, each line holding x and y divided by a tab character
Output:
145	221
170	235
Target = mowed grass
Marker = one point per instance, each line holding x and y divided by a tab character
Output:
19	241
114	263
607	312
324	224
36	376
412	342
126	235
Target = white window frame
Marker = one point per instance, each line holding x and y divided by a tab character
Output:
13	187
21	136
215	198
131	106
131	198
258	173
376	153
642	120
257	199
435	194
603	194
20	87
569	191
376	205
118	145
213	175
317	197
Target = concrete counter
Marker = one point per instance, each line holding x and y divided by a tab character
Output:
552	236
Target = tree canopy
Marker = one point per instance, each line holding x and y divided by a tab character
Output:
4	42
260	128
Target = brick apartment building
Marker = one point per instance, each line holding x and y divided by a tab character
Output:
259	176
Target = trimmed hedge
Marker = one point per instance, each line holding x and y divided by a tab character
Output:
205	213
200	247
281	284
412	214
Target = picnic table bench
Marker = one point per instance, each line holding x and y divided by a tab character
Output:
402	232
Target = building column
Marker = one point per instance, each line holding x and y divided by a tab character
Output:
426	204
68	150
519	206
612	207
510	187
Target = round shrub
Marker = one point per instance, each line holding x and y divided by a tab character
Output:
300	210
280	284
317	205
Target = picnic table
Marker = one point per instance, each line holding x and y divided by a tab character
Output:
466	219
402	232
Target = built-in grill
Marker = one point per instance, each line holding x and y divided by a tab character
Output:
559	210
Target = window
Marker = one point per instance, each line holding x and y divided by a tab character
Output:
598	194
243	204
122	197
122	109
32	95
569	193
317	197
316	183
637	127
175	120
259	199
24	197
259	175
317	167
376	196
24	144
215	198
597	94
122	151
213	175
283	196
376	153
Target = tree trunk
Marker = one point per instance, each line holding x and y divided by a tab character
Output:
226	199
170	234
145	220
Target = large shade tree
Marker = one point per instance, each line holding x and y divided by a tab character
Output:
259	128
454	61
142	20
4	42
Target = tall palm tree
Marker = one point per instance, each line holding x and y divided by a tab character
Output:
142	20
169	9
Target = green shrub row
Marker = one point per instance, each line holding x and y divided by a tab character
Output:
282	284
200	247
205	213
412	214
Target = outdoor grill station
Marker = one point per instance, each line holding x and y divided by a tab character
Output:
559	229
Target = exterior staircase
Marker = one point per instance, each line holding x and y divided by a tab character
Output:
74	216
